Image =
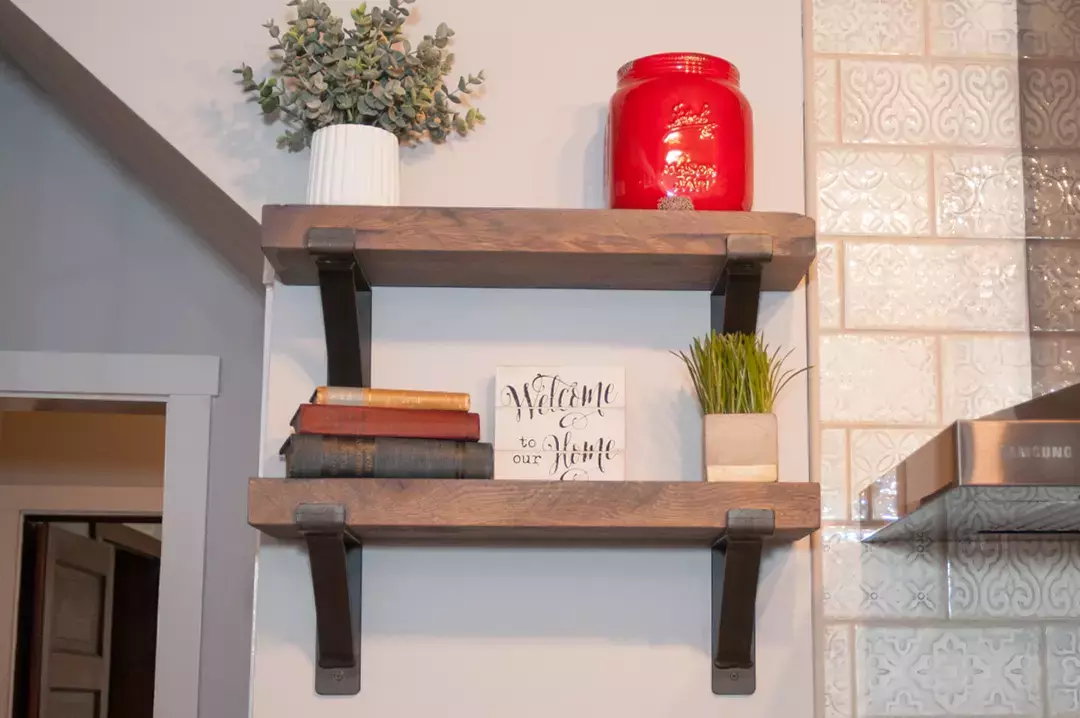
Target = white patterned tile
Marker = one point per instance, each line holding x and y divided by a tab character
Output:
1052	195
838	647
873	192
1049	29
912	103
868	26
973	27
1054	285
880	379
827	278
834	474
825	101
1055	362
979	195
1049	105
966	287
881	580
1014	579
947	671
875	454
1063	670
981	375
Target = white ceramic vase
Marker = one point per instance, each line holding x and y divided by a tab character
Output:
740	447
354	164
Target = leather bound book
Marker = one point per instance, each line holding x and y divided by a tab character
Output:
391	398
309	456
341	420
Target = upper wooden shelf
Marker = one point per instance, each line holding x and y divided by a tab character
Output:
541	248
454	511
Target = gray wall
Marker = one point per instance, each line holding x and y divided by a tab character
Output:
90	262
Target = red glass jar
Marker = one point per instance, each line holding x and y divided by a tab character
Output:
680	127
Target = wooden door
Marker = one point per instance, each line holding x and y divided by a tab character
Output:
69	650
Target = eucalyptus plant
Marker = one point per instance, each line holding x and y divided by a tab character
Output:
369	74
736	373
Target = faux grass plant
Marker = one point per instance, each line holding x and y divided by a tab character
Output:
736	373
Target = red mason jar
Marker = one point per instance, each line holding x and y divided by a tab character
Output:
680	127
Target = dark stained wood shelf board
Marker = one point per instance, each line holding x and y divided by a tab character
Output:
536	248
448	511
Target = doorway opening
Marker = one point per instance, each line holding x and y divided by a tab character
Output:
87	617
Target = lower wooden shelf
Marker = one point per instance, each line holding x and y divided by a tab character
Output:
337	517
605	512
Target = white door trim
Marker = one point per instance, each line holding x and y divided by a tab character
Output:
186	384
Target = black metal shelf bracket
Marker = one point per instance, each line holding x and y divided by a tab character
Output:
736	563
346	306
737	293
336	559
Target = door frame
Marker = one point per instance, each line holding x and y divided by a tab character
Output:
186	384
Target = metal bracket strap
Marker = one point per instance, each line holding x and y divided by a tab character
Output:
336	573
736	563
740	284
346	306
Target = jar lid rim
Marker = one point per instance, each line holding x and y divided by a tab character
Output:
689	62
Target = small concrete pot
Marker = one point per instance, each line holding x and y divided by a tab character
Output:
740	447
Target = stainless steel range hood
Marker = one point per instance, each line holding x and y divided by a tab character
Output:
1015	473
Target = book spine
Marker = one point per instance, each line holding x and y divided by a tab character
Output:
333	420
309	456
391	398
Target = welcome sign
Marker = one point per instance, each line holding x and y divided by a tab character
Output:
564	423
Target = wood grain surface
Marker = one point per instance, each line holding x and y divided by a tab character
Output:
638	513
542	248
181	186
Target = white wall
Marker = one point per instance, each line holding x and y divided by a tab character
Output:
90	262
501	632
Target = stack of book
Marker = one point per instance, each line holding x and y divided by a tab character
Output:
386	434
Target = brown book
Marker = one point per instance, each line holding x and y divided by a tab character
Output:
391	398
308	456
341	420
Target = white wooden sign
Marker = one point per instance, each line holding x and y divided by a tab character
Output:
564	423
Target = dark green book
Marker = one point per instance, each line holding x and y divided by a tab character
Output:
312	456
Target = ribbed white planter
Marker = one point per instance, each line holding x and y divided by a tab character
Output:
354	164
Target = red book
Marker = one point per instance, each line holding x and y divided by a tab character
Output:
343	420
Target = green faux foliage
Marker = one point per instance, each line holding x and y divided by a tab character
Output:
327	74
736	373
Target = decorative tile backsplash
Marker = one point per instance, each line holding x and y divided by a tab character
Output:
1049	103
946	671
1020	580
837	673
880	580
946	141
1063	669
978	28
1055	362
964	286
1052	195
878	379
914	103
980	375
868	26
826	121
881	192
979	194
1054	285
1048	29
